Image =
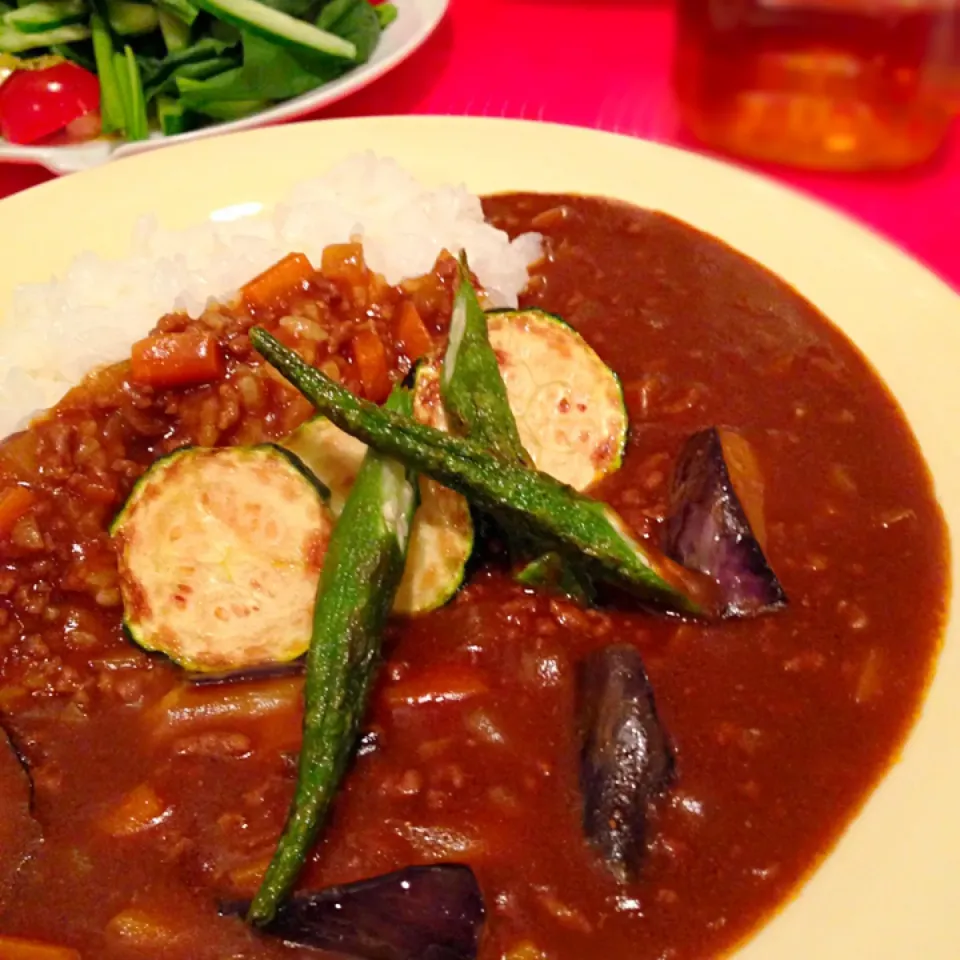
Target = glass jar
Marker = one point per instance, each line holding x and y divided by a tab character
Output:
828	84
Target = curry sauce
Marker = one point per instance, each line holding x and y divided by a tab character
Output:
158	798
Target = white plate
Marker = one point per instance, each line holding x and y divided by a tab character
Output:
417	19
891	888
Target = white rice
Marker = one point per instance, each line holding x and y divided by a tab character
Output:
99	308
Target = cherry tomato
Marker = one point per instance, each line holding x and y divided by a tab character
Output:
37	103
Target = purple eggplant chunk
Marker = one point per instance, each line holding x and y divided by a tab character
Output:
418	913
20	833
626	761
716	523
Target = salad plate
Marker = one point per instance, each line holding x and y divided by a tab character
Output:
416	21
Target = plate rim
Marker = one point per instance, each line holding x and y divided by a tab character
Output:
918	909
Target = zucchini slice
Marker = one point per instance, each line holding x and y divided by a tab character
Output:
471	384
332	456
567	402
441	539
570	415
551	512
219	553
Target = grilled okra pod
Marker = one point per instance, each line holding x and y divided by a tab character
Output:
531	501
360	576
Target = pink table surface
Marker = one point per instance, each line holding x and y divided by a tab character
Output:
606	64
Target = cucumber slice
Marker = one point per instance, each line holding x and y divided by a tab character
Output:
567	402
40	17
441	539
278	27
14	40
219	553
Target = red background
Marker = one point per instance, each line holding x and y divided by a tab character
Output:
605	64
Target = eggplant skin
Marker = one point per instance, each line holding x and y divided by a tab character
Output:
708	529
266	671
626	760
418	913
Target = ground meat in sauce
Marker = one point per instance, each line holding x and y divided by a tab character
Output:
155	803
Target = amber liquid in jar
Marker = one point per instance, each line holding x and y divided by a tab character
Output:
828	84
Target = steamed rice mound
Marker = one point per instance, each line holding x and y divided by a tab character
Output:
99	308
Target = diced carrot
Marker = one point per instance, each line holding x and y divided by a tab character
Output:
18	454
17	948
276	283
344	261
439	685
177	359
139	810
371	360
413	335
142	930
14	503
